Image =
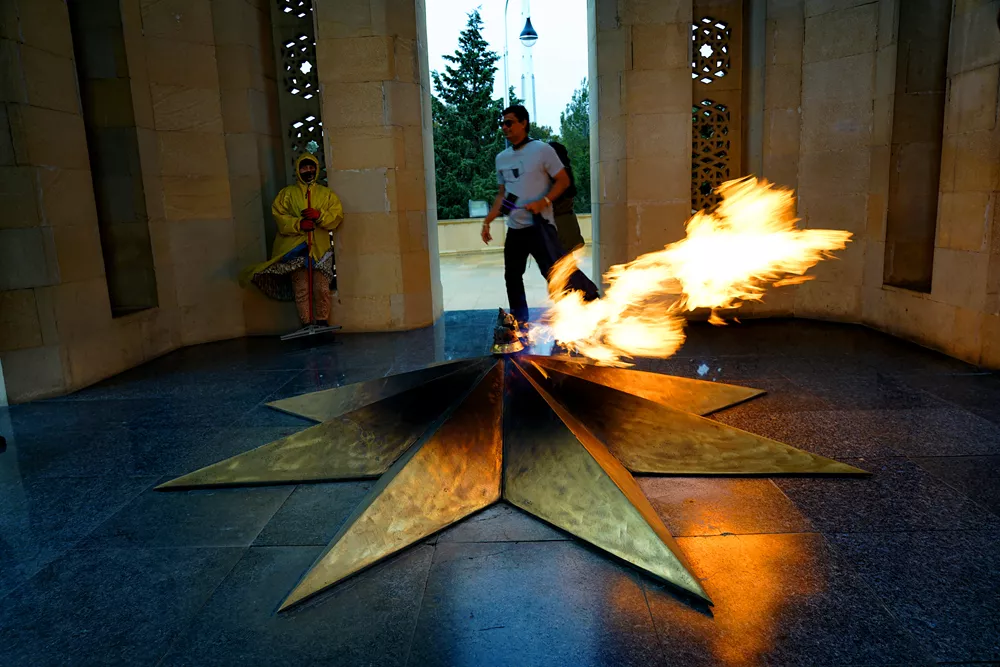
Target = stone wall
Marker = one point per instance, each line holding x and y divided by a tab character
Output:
828	122
57	332
374	80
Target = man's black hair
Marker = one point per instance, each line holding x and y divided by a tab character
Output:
519	112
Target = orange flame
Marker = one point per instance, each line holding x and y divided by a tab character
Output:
729	256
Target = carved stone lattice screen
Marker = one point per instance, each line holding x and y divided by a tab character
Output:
716	79
298	84
711	151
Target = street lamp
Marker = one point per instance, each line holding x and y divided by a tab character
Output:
528	37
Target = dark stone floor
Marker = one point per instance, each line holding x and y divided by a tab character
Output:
900	568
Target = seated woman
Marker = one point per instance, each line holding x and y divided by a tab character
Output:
305	213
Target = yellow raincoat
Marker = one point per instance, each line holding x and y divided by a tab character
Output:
287	211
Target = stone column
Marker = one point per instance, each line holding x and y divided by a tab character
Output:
372	66
643	75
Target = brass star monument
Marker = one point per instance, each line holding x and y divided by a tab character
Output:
555	437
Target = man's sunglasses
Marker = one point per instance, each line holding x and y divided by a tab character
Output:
507	123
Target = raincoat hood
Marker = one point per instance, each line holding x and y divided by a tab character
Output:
298	162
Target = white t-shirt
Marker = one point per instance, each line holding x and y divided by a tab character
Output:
528	172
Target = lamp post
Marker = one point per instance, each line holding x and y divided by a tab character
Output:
528	37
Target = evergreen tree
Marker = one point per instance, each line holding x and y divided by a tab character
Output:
466	135
574	128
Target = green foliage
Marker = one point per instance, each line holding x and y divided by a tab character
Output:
466	135
574	128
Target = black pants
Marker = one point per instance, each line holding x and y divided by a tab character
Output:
541	242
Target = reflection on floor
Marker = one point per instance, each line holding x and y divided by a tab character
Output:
901	568
475	282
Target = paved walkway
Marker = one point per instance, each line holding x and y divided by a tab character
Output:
475	282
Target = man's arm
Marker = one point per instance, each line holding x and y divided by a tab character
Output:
493	215
559	185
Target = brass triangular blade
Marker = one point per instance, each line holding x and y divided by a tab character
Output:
559	472
685	394
361	443
650	438
452	474
329	403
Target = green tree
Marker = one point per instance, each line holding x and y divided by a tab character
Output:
574	128
466	135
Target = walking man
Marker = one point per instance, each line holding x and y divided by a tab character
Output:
530	176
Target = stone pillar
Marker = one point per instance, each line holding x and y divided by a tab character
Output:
372	65
643	75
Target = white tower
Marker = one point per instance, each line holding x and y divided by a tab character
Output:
527	66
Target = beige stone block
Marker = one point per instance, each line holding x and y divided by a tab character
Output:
636	12
613	138
50	80
819	210
656	225
363	313
783	87
343	18
183	109
828	126
266	317
79	253
364	234
990	337
33	373
414	233
364	191
200	282
840	33
19	325
973	43
613	52
356	59
882	120
101	354
354	105
782	132
110	103
885	71
406	59
878	212
836	172
611	182
7	157
44	24
964	220
846	267
969	162
237	115
658	91
196	198
828	301
881	161
175	63
843	80
43	137
416	272
782	169
12	84
411	193
373	275
959	278
613	223
817	7
395	17
874	264
659	135
972	100
609	98
201	242
193	153
212	320
659	180
160	332
965	341
18	198
232	22
27	258
264	110
241	153
179	20
918	118
80	308
784	38
403	104
236	65
413	147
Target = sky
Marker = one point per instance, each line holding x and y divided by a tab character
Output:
559	55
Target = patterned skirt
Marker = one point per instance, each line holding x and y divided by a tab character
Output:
276	280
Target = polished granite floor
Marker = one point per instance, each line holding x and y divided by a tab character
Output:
901	568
